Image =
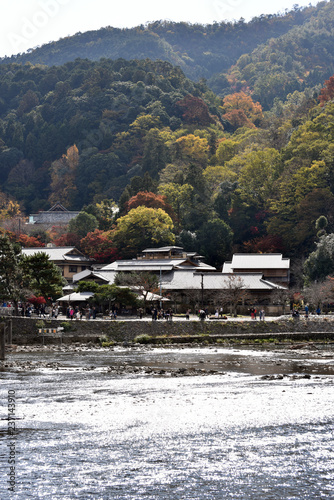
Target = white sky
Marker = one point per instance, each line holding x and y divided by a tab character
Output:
26	24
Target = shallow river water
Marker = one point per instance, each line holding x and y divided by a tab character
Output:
84	433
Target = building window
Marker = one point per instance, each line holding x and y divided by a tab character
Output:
73	269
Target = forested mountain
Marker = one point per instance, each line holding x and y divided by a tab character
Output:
105	108
299	59
209	51
251	170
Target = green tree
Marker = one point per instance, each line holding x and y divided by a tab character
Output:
320	263
320	224
257	177
82	224
215	241
142	227
41	275
226	150
193	149
105	295
87	286
154	153
11	279
180	198
143	283
214	176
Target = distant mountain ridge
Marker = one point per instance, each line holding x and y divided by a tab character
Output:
202	51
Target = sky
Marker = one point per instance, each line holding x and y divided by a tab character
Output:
25	24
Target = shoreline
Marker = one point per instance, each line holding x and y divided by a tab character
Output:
270	361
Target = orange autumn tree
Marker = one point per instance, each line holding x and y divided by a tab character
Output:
150	200
241	111
25	240
327	92
30	241
98	246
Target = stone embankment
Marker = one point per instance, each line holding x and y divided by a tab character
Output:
26	330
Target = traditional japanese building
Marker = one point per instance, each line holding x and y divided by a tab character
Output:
272	266
55	216
69	259
187	280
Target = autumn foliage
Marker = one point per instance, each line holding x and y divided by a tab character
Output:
98	246
150	200
30	241
24	240
67	240
195	111
327	92
241	110
37	301
265	244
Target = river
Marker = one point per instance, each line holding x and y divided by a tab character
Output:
247	424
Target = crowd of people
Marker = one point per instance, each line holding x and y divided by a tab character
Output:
161	314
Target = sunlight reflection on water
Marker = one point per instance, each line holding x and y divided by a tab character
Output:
235	436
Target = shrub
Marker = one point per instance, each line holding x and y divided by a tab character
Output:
143	339
66	326
107	343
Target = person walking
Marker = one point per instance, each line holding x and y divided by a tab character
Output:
306	311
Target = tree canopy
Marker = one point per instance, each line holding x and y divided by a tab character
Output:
141	228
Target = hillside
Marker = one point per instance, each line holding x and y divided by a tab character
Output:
105	108
87	131
301	58
253	167
200	51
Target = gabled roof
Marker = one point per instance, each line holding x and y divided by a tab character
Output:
76	297
58	207
57	254
256	261
84	275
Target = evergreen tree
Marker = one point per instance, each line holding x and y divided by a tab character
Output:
41	275
11	282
